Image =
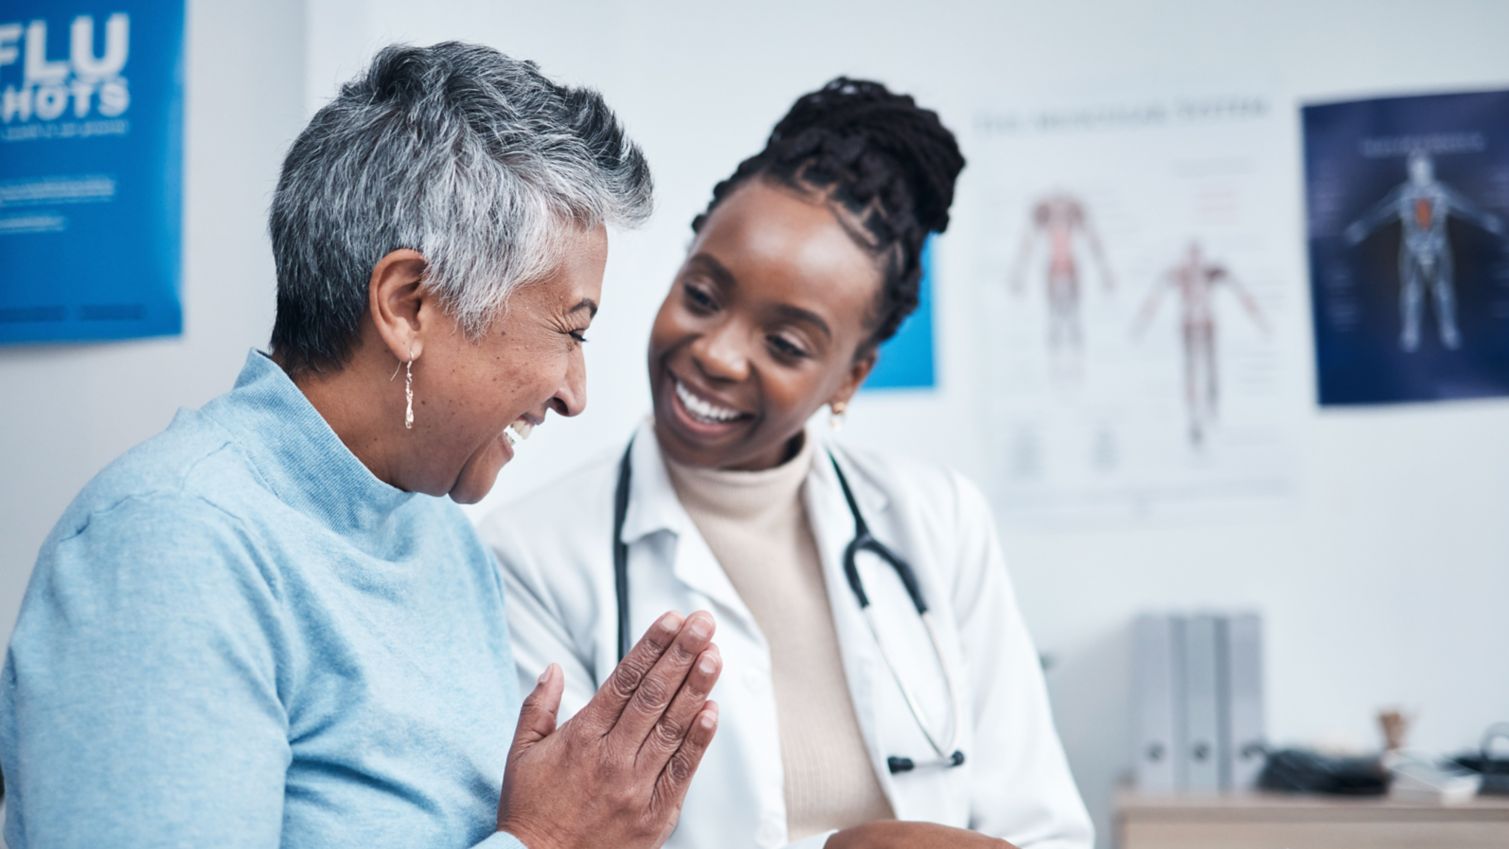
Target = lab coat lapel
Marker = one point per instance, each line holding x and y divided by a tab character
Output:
832	529
654	507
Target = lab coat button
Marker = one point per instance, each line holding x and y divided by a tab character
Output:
770	834
753	679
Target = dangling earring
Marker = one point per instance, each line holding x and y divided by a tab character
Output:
836	418
408	390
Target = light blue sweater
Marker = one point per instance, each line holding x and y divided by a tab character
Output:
237	636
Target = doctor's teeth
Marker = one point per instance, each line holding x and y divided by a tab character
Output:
704	409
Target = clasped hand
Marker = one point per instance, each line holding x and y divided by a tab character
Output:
616	773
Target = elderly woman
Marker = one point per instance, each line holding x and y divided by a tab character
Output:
268	626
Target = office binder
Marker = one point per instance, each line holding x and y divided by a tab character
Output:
1155	703
1243	751
1201	750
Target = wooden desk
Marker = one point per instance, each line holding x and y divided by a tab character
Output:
1273	821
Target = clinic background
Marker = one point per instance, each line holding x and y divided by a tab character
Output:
1380	584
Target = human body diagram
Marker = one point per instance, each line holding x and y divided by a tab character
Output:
1422	205
1194	280
1061	221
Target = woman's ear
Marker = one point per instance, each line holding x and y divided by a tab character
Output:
399	303
860	369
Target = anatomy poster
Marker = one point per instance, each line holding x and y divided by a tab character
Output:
1140	299
1408	222
91	128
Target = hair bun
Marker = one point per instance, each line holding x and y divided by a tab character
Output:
849	118
877	154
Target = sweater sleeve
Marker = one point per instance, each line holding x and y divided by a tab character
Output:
142	686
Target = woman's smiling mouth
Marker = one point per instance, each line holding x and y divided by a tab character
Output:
701	416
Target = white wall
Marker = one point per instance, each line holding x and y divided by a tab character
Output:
1383	586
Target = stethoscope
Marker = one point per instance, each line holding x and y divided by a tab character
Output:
943	746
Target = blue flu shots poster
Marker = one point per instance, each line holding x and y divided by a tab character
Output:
91	129
1407	208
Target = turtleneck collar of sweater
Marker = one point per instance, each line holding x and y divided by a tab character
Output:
298	455
733	494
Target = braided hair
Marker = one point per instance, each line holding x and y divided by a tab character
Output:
890	164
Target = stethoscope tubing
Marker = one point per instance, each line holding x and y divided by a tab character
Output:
942	745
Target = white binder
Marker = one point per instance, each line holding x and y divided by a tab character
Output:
1245	737
1201	750
1155	703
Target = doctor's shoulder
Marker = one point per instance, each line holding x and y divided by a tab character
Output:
946	504
561	526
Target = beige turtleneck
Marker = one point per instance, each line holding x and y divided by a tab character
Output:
755	524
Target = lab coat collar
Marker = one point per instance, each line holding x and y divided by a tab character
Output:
654	508
653	505
823	483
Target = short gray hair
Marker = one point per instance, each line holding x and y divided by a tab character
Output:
474	159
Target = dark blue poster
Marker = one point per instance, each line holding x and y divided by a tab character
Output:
91	128
1408	211
906	359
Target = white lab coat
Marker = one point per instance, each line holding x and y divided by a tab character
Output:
555	550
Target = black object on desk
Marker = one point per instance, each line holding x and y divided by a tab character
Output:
1304	771
1493	768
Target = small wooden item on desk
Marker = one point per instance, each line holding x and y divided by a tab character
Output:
1394	724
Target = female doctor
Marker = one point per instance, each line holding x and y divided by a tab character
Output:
877	667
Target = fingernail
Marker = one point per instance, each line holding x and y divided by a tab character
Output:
708	719
708	664
669	623
701	627
544	676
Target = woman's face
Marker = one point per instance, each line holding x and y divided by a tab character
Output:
528	361
766	322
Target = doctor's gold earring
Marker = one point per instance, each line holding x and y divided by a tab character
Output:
836	417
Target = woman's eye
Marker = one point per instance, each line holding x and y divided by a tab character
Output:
700	300
580	336
786	349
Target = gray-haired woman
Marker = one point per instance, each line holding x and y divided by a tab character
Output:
265	626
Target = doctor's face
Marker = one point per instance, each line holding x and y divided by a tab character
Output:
768	320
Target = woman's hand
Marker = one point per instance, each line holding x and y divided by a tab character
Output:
615	774
894	834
